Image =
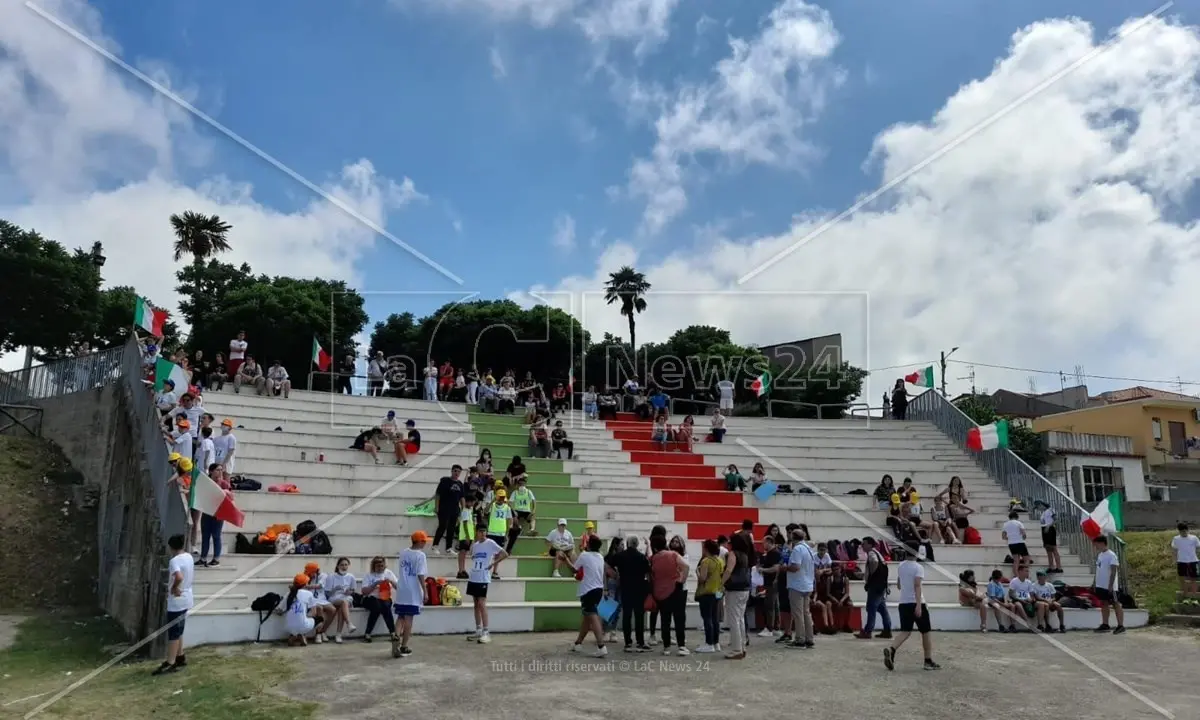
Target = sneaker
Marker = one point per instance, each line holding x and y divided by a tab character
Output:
778	633
931	665
666	650
706	649
889	658
556	574
475	635
434	551
765	633
1062	630
406	651
797	645
783	639
214	563
1119	630
652	641
642	649
863	635
485	638
630	649
577	647
1102	628
366	638
180	662
684	652
338	638
462	575
201	563
601	651
164	669
320	638
885	635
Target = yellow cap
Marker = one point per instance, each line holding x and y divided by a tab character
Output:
501	494
895	498
589	525
913	497
185	465
174	457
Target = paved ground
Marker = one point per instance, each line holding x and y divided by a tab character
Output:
533	675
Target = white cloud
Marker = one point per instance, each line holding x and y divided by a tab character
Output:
88	154
564	232
499	70
1050	240
755	109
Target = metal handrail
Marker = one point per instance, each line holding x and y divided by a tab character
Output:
61	377
820	407
1015	475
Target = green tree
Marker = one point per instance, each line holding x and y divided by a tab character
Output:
1022	441
628	287
200	237
48	295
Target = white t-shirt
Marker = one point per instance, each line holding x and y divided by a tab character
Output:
431	372
907	574
718	422
166	400
298	622
560	539
277	373
207	454
592	564
339	587
413	566
1106	565
1044	590
481	561
193	415
1047	517
802	580
375	368
373	578
823	562
726	388
317	587
1185	548
1021	589
186	566
224	445
237	349
183	443
1015	532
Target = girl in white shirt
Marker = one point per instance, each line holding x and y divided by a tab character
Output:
339	587
378	589
322	610
301	615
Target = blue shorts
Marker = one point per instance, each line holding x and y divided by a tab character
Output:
406	610
659	437
174	628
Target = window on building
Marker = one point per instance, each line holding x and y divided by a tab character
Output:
1098	483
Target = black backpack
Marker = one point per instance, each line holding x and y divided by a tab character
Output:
266	602
319	542
304	530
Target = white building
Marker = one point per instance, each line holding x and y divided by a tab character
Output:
1090	467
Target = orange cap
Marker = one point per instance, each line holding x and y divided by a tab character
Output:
300	580
227	422
420	536
182	423
311	569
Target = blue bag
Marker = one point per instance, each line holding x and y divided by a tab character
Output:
608	609
765	491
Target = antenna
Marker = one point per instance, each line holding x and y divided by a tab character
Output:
1032	385
1179	384
1062	381
971	376
1080	376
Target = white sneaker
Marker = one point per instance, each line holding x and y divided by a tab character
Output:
652	641
556	574
338	638
683	652
353	628
717	647
475	635
705	649
666	651
485	638
320	638
765	633
577	647
777	633
601	652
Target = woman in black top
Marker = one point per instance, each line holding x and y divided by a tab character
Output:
516	469
883	493
899	400
217	374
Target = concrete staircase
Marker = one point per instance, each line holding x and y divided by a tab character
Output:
616	479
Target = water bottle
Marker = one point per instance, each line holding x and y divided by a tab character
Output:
321	457
303	455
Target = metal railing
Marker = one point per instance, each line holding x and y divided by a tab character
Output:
818	408
69	375
1016	476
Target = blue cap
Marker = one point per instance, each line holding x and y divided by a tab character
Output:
391	413
410	423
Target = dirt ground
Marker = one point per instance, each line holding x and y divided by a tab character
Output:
535	675
8	629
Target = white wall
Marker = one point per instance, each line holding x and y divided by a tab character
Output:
1059	467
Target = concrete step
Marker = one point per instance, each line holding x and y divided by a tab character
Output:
383	471
421	484
394	503
465	453
336	439
366	522
863	450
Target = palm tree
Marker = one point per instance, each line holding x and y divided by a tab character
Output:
201	236
627	286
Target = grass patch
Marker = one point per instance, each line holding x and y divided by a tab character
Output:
52	651
1151	570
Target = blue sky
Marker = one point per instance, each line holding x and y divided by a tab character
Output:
519	136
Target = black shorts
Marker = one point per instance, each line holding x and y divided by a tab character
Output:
1187	570
524	516
1050	537
498	539
908	618
1018	550
785	603
961	523
477	590
590	600
1103	595
175	621
465	545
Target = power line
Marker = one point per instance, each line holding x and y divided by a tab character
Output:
915	363
1172	381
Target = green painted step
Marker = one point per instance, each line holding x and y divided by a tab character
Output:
548	511
552	590
537	545
534	566
518	437
556	494
554	619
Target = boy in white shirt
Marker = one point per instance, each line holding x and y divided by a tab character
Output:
207	453
180	571
910	577
411	592
1014	535
225	445
1020	591
1047	602
485	555
1187	564
1105	586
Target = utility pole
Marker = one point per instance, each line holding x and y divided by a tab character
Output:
971	376
945	356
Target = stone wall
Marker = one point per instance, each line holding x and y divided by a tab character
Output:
94	430
1160	515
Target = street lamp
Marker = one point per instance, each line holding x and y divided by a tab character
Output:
98	255
945	357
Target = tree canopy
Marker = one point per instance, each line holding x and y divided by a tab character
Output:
1022	441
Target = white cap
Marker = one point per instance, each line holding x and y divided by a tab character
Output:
562	521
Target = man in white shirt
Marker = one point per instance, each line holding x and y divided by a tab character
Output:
166	399
562	546
206	454
278	380
180	571
376	369
411	592
718	426
1046	596
1020	592
506	398
237	352
181	438
1187	565
591	592
725	391
431	381
1105	586
1014	535
801	578
485	555
910	577
191	409
225	445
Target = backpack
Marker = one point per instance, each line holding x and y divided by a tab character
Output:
241	482
451	596
284	544
266	602
433	586
971	536
242	544
319	543
305	530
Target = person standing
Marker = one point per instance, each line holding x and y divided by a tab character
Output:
709	572
237	352
736	578
375	372
909	578
180	571
633	571
349	369
876	587
591	569
431	381
1187	564
447	501
485	556
801	577
1105	585
668	572
410	592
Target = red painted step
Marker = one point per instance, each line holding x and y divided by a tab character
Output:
646	445
641	433
677	470
708	514
695	497
654	457
667	482
705	531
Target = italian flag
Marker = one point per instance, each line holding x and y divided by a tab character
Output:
923	378
208	497
1105	519
320	358
571	380
148	318
761	385
988	437
166	370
